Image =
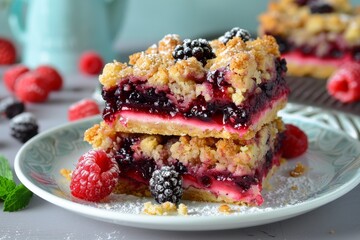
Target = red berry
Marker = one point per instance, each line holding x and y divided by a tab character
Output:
7	52
53	77
83	108
344	84
295	142
91	63
31	87
95	176
11	75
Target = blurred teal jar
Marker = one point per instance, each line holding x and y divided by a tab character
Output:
57	32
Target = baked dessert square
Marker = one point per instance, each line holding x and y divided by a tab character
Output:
225	88
212	169
315	36
192	119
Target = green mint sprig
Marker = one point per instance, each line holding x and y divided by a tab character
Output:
15	197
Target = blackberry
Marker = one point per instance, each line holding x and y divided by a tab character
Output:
302	2
235	32
236	116
320	7
24	126
10	107
166	185
198	48
283	44
356	54
246	181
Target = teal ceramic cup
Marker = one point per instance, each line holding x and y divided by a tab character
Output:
57	32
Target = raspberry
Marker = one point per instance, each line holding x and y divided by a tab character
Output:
235	32
295	142
344	84
95	176
7	52
83	108
166	185
10	107
24	126
198	48
53	77
91	63
12	74
32	87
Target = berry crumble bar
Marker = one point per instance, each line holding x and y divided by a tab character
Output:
195	119
231	93
315	36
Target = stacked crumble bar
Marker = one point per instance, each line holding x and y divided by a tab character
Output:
212	115
315	36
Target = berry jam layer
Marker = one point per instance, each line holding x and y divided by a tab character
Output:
137	105
307	65
319	60
215	88
225	169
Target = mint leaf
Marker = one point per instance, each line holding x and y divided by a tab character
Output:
6	186
17	199
5	170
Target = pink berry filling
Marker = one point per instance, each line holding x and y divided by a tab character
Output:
133	94
247	187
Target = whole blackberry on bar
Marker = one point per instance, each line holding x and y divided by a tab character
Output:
235	32
320	7
24	126
166	185
10	107
198	48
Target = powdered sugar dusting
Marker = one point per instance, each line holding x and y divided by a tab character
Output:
25	117
282	190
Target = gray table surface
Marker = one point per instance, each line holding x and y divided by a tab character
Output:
339	219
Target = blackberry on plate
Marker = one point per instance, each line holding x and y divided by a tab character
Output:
198	48
10	107
24	126
166	185
235	32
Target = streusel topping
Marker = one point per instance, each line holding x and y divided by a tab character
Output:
249	63
230	155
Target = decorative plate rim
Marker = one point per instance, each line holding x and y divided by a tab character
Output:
181	222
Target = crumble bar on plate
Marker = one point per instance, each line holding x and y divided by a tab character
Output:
207	109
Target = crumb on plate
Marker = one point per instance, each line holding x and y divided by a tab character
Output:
164	209
66	173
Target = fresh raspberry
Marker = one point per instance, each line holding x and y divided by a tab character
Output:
91	63
7	52
344	84
83	108
12	74
32	87
53	77
95	176
295	142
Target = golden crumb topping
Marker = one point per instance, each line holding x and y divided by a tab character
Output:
235	156
249	62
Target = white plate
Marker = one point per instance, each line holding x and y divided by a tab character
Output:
333	170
